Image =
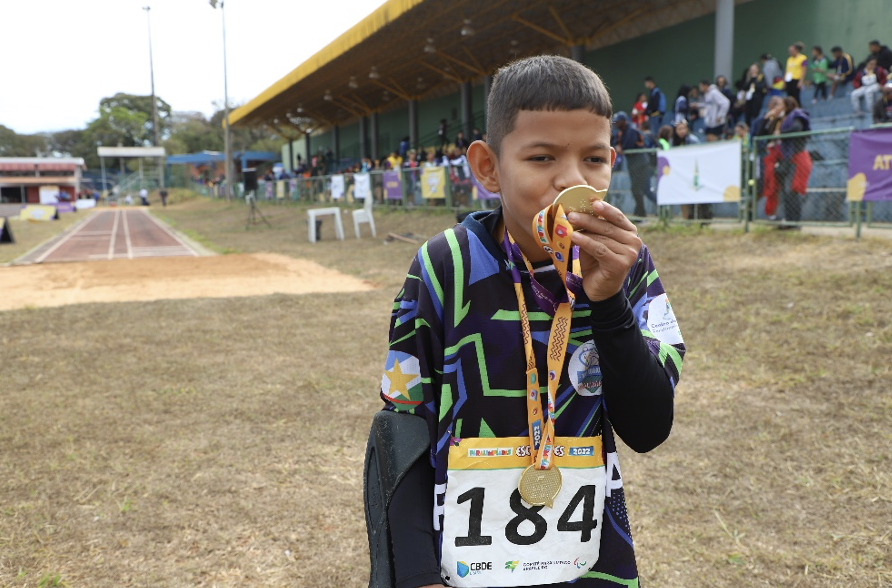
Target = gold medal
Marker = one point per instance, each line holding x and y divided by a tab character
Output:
579	199
540	487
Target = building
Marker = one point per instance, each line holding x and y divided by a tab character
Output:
39	180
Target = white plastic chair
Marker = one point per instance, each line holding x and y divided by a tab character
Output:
364	215
334	211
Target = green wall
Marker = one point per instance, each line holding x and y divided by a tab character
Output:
684	53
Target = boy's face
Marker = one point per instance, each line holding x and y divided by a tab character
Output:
545	153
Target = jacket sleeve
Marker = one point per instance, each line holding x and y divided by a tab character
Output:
415	348
411	384
640	350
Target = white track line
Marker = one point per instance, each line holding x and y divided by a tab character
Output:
114	234
63	240
127	238
171	233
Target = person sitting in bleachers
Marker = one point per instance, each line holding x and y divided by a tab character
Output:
867	84
842	69
882	108
881	53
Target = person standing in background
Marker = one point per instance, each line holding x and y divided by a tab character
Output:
774	77
819	66
716	105
797	66
756	88
656	103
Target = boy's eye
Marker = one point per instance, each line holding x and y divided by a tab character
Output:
540	158
596	160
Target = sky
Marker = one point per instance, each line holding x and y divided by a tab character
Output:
58	58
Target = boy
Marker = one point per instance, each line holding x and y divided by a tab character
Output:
472	334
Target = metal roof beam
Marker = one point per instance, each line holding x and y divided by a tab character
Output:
614	25
394	89
448	57
517	18
560	21
442	72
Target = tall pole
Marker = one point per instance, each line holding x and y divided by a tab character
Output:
155	133
227	139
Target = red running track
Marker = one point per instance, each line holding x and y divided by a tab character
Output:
112	234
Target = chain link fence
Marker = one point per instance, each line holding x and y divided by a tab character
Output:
791	180
800	178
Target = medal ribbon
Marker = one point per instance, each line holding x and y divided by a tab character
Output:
552	231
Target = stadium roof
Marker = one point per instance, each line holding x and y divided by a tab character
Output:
421	48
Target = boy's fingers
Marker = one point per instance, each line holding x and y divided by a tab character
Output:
605	250
630	248
624	232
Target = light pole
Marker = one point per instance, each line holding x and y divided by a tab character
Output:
154	100
227	141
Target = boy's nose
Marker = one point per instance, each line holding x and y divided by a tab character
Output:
570	176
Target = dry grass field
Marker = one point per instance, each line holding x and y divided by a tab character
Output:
219	441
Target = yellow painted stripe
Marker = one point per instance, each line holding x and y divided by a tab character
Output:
384	15
501	453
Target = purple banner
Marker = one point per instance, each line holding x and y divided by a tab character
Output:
870	165
65	207
393	187
482	193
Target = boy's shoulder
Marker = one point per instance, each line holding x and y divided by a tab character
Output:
471	239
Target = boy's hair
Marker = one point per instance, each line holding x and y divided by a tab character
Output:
818	49
542	82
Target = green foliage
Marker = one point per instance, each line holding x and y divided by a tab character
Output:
126	120
14	145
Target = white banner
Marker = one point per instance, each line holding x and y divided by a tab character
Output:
362	186
49	194
699	174
337	187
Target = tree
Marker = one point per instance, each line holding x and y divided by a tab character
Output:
14	145
191	132
254	138
133	104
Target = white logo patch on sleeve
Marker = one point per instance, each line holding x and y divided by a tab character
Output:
661	321
585	370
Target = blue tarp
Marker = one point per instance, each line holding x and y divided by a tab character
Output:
205	157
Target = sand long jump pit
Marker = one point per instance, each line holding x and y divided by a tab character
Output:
126	280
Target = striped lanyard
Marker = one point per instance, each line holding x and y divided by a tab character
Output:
552	231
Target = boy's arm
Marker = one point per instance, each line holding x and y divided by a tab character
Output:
640	355
638	393
410	380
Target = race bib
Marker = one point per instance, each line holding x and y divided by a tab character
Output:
491	537
788	77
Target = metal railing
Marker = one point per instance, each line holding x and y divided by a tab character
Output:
795	180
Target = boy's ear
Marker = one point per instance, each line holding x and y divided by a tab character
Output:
612	157
484	165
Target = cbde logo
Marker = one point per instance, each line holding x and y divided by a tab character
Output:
475	567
